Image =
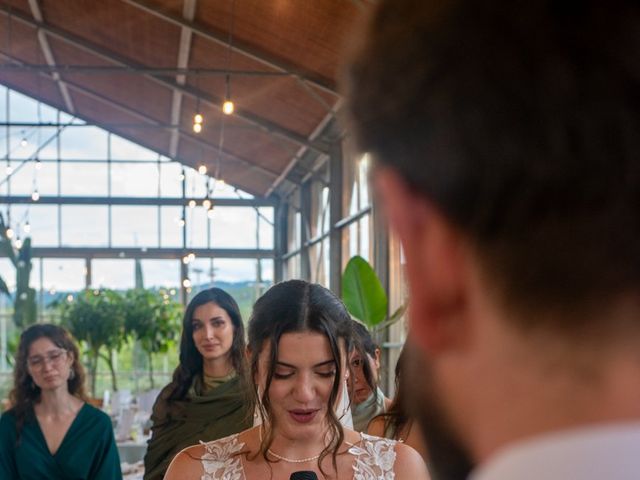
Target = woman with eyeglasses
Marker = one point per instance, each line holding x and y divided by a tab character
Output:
51	431
299	336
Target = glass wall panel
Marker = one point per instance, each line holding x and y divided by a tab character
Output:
61	275
47	138
161	274
122	149
202	274
197	224
83	143
134	226
84	226
170	180
117	274
266	227
22	177
84	179
134	180
170	229
22	108
21	143
233	227
40	222
196	183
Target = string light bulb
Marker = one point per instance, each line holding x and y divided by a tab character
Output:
192	203
38	164
27	227
197	127
9	232
18	243
198	118
210	212
24	142
9	170
206	203
202	169
228	107
186	283
35	196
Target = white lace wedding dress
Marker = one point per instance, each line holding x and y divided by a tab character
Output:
374	459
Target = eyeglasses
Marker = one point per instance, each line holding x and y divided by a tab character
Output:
54	357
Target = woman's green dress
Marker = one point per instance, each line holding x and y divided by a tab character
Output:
88	449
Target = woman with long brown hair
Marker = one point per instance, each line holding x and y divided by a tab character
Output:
51	431
299	336
208	397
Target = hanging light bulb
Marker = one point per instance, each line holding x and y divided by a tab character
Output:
227	106
9	170
186	259
24	142
35	196
186	283
202	169
38	164
210	212
192	203
18	243
197	127
181	177
27	227
9	232
198	118
192	256
206	203
181	222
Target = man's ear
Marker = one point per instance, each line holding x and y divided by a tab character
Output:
435	256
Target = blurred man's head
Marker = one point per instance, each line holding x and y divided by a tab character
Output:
507	138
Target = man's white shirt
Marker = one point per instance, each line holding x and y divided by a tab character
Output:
603	452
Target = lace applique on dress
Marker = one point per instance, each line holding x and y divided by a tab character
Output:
220	462
375	458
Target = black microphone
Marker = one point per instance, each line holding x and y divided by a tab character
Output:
303	475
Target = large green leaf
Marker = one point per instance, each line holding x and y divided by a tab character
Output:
362	292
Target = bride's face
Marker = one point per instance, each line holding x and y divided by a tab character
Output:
304	375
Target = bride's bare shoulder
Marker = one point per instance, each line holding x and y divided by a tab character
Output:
186	464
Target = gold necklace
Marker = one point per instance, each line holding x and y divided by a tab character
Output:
292	460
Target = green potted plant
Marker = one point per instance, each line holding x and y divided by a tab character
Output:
96	318
364	297
153	320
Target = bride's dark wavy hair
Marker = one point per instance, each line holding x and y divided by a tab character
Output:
299	306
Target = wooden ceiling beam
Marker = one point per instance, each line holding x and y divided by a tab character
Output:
81	43
222	38
48	55
188	11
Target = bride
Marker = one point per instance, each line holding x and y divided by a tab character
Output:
299	334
